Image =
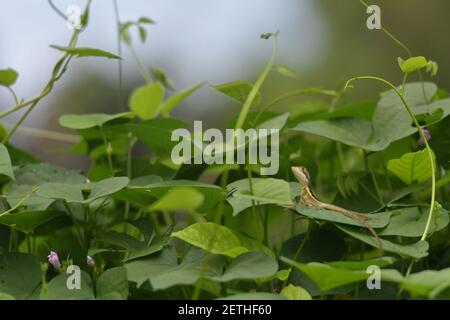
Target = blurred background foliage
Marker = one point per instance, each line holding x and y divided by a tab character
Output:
326	42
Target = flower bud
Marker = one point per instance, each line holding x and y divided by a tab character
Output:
90	262
53	259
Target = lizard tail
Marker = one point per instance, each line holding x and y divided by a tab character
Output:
358	217
362	219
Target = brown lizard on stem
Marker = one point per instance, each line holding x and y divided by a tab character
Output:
307	197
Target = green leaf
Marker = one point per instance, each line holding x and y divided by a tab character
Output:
413	166
112	284
428	283
73	193
8	77
178	98
157	133
145	20
243	267
86	52
363	264
410	222
179	199
146	100
39	174
390	121
327	277
5	296
265	191
142	34
292	292
57	288
238	91
162	270
213	238
212	194
28	221
376	220
86	121
20	274
254	296
5	162
105	187
416	250
412	64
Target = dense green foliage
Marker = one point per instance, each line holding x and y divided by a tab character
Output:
156	230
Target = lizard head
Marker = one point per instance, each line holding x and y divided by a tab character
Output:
301	174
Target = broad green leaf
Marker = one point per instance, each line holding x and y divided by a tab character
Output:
390	121
5	296
412	64
281	275
411	167
86	52
416	250
428	283
265	191
162	270
37	175
254	296
71	193
142	270
410	222
360	110
28	221
134	247
146	100
5	162
20	274
327	277
212	194
156	134
86	121
376	220
8	77
112	284
243	267
178	98
351	131
179	199
57	288
238	91
213	238
105	187
292	292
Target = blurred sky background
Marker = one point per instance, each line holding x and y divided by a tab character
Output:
324	41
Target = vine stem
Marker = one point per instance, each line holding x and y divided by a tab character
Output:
422	135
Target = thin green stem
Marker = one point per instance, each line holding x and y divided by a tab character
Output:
21	201
255	89
119	62
422	135
142	70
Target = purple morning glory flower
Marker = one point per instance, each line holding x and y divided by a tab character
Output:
53	259
427	135
90	262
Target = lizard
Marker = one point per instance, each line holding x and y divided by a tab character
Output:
308	198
